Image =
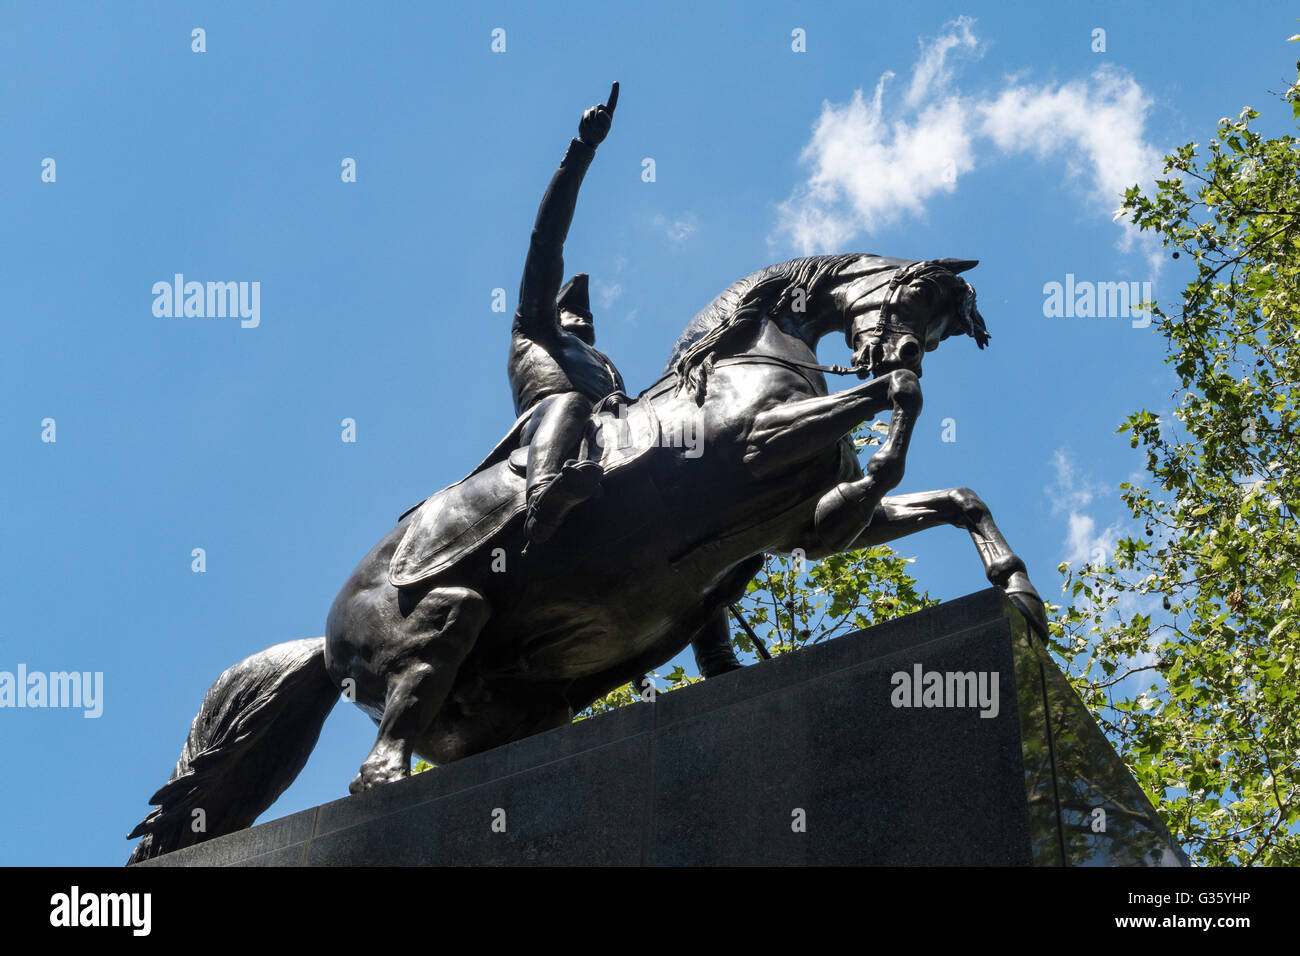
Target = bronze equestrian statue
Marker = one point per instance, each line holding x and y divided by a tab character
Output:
457	633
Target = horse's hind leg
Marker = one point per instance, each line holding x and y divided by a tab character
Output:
420	660
714	654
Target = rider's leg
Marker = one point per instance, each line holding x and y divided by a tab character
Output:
555	481
422	660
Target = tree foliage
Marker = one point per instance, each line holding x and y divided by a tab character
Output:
1185	643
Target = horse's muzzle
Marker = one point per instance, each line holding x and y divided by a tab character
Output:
885	355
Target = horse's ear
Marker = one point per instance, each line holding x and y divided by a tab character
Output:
958	265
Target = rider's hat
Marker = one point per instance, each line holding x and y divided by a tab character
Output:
574	296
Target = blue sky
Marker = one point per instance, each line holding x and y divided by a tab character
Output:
998	134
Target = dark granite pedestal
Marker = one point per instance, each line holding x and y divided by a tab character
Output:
944	738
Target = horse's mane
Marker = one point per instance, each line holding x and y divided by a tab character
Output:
734	318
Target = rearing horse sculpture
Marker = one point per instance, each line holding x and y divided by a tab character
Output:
456	642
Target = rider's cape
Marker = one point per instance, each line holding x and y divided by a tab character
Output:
471	514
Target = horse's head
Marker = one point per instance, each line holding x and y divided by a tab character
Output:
892	324
890	311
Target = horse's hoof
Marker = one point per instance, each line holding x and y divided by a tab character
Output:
1031	606
370	777
718	668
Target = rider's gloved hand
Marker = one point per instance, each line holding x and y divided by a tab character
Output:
596	122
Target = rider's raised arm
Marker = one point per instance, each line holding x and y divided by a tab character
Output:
544	266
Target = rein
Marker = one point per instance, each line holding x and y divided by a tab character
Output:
794	365
788	363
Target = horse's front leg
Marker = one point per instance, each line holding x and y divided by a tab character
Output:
900	515
845	510
788	434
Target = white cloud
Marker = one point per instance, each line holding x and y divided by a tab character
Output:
1071	493
607	293
1071	490
932	71
872	163
868	173
677	229
1084	544
1096	125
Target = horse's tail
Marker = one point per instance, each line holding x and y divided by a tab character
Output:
252	735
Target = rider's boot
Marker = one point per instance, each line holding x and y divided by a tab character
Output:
557	477
554	496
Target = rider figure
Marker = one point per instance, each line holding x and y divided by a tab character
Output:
554	367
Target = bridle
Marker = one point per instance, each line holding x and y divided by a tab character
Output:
884	324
